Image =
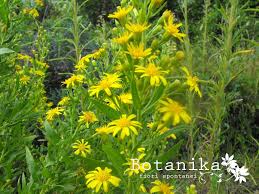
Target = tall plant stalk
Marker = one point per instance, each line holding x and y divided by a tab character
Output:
189	60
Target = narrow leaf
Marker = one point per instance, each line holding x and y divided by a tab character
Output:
5	51
107	110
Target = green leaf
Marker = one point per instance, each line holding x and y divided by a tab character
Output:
30	162
4	12
49	132
158	93
5	51
107	110
163	136
171	153
115	158
135	95
91	164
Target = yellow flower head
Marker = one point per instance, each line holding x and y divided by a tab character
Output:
123	39
101	178
81	147
172	28
25	79
138	52
32	12
175	111
87	118
157	2
138	168
141	150
142	188
53	113
125	98
111	103
155	74
39	3
24	57
192	81
104	130
97	54
167	14
191	189
64	101
121	13
162	129
81	65
160	187
39	73
42	64
108	82
73	80
50	104
125	125
137	28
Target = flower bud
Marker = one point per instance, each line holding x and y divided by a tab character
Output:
179	55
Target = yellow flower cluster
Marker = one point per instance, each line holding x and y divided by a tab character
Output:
125	91
32	12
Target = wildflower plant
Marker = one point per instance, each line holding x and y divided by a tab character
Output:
117	90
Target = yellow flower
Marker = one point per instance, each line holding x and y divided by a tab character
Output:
64	101
123	39
50	104
39	73
121	13
108	81
97	54
24	57
138	52
172	28
142	188
39	3
53	113
81	147
73	80
104	130
125	98
42	64
81	65
162	129
32	12
155	74
87	118
125	125
137	28
141	150
138	168
25	79
160	187
192	81
167	14
111	104
175	111
191	189
101	178
156	2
